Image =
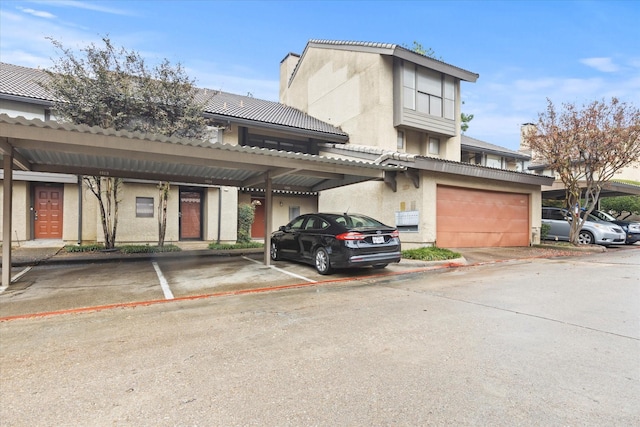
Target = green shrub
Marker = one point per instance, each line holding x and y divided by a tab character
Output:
227	246
147	249
430	254
95	247
544	231
246	214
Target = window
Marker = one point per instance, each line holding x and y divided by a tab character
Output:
428	91
400	140
294	211
434	146
144	207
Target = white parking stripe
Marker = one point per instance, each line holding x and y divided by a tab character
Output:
163	282
16	277
283	271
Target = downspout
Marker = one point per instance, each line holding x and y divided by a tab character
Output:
219	212
79	209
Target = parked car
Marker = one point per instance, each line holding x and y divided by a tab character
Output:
594	230
631	228
331	240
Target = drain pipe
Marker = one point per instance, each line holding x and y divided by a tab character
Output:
219	212
79	209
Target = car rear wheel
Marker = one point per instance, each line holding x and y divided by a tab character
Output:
322	263
275	253
585	238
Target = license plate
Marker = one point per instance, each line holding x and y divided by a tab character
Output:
378	239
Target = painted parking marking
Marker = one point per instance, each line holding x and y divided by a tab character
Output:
163	281
15	278
297	276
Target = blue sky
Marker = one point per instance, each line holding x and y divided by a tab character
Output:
524	51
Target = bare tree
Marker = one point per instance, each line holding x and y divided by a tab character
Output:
114	88
585	147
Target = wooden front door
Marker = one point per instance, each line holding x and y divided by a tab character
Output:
47	218
190	215
257	228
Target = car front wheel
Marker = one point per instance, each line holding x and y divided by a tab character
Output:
322	263
585	238
275	253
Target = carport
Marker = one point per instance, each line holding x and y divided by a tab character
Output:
34	145
609	189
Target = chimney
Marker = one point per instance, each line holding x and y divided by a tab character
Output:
524	130
287	66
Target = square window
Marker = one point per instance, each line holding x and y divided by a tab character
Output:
144	207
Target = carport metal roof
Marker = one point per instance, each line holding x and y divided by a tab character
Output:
610	189
34	145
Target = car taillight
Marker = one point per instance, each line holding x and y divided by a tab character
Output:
395	233
352	235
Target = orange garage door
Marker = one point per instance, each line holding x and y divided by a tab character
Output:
475	218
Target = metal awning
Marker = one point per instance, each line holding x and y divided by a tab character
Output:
37	146
610	189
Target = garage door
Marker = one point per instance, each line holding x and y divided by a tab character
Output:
473	218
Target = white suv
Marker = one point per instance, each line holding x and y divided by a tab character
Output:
594	230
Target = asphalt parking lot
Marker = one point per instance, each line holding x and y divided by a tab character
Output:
58	287
46	281
551	341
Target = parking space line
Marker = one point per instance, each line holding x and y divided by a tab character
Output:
15	278
283	271
163	282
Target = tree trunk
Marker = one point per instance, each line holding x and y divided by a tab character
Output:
163	188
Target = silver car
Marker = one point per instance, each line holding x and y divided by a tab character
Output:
594	230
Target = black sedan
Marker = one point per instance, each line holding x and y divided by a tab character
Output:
328	241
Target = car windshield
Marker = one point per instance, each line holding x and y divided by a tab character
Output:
356	221
605	216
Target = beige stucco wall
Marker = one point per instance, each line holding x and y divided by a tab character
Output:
20	212
226	210
22	109
343	88
631	173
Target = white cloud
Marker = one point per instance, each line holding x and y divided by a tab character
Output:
602	64
94	6
37	13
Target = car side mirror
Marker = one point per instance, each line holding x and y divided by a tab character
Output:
283	228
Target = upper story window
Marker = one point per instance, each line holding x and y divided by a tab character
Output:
400	145
434	146
282	144
428	91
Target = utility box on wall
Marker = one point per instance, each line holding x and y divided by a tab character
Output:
407	220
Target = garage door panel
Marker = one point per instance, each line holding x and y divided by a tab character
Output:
477	218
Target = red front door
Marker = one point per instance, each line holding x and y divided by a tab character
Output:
257	228
47	218
190	212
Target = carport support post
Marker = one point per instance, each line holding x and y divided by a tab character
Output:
268	215
7	193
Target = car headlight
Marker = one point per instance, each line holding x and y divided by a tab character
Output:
634	227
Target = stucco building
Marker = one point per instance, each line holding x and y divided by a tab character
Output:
400	107
366	102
